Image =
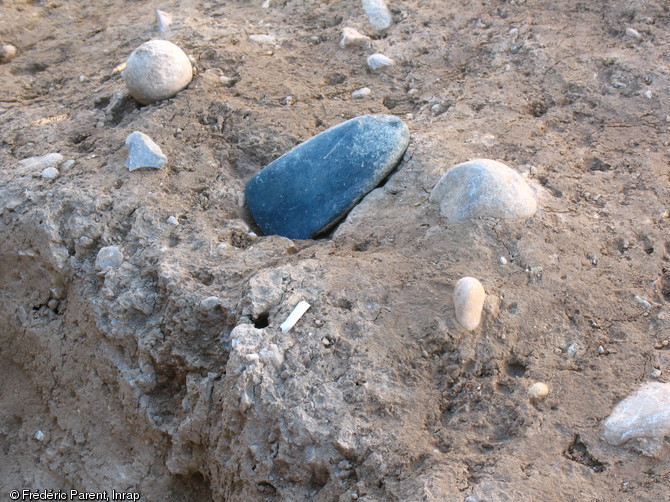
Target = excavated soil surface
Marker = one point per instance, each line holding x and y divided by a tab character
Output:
124	380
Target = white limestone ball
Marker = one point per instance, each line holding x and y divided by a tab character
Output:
157	70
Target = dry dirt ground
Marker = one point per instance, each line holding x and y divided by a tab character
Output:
123	380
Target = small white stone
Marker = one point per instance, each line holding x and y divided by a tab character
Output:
41	162
209	303
352	37
109	256
157	70
503	260
601	349
361	93
39	435
82	78
325	342
469	296
644	303
50	173
67	165
143	152
538	391
648	94
263	39
252	358
227	81
289	100
7	53
572	350
377	61
163	20
378	13
173	220
656	373
633	33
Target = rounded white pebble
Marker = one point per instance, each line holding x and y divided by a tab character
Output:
109	256
538	391
503	260
50	173
469	296
172	220
7	53
209	303
157	70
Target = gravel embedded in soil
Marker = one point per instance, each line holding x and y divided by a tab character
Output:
120	379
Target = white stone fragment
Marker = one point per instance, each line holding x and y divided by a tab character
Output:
633	33
469	296
377	61
143	152
503	260
352	37
263	39
378	13
39	435
227	81
644	303
173	220
41	162
361	93
644	414
163	20
209	303
109	256
483	188
157	70
294	316
648	94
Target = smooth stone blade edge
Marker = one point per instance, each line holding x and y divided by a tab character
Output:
309	189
